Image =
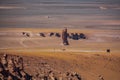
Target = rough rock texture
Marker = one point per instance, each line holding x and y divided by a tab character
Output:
32	69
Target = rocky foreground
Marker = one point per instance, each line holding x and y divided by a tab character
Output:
59	66
14	67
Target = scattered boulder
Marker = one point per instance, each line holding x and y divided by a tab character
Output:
42	34
51	34
54	34
57	35
72	35
51	75
73	76
28	34
75	36
82	36
4	61
101	77
108	50
23	33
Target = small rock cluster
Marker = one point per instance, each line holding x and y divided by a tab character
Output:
26	34
53	75
76	36
13	67
50	34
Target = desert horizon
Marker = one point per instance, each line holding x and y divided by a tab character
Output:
59	40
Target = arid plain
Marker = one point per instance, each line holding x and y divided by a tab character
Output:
88	57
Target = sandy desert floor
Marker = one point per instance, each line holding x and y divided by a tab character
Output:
96	41
88	57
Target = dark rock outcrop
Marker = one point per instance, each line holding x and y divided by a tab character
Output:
30	69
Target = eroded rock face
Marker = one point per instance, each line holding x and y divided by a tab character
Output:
28	68
11	68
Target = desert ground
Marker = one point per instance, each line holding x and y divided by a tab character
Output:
87	57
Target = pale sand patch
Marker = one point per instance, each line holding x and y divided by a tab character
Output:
97	40
11	7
